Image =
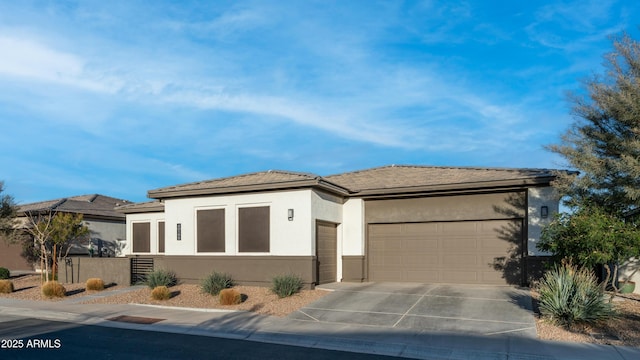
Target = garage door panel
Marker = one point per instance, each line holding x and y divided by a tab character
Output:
421	276
460	276
448	252
456	244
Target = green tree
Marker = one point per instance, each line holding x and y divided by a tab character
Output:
54	233
591	237
603	143
8	211
66	228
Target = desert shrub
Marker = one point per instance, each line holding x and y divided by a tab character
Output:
216	282
230	297
286	285
4	273
6	286
161	277
94	284
569	295
53	289
161	293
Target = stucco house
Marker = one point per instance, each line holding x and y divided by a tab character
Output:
392	223
106	226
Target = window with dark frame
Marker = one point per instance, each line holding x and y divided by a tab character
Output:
211	231
253	229
141	237
161	236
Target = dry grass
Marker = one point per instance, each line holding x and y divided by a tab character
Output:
29	288
52	289
230	297
161	293
94	284
6	286
257	299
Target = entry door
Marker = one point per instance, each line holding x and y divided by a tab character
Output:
326	252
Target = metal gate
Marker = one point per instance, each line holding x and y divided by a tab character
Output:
140	267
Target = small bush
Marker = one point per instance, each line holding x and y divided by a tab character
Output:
230	297
161	277
6	286
286	285
53	289
4	273
216	282
161	293
569	295
94	284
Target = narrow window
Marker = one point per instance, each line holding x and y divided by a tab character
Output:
253	229
210	230
141	237
161	237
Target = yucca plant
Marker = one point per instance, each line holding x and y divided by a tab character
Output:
161	277
286	285
216	282
569	295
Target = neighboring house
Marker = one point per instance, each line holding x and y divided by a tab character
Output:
106	226
392	223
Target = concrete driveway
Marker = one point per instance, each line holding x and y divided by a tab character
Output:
471	309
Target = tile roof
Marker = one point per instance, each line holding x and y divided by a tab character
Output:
392	179
272	179
94	204
148	206
411	176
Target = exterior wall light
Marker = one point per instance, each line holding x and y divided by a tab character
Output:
544	212
290	214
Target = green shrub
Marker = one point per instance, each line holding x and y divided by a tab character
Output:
569	295
4	273
94	284
161	293
216	282
161	277
6	286
53	289
230	297
286	285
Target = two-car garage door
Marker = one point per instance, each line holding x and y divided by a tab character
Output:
469	252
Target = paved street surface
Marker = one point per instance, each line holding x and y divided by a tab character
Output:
61	340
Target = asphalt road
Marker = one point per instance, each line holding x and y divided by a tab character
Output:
28	338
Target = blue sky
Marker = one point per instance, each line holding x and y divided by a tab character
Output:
119	97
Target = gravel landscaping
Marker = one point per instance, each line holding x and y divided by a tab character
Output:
256	299
624	330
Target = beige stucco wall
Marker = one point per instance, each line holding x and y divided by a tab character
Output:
628	271
536	199
152	218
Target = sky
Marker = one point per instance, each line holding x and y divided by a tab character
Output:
121	97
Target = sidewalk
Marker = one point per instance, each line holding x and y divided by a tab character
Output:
253	327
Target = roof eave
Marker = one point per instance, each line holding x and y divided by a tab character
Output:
289	185
456	188
140	210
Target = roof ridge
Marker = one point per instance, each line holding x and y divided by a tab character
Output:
495	168
241	176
